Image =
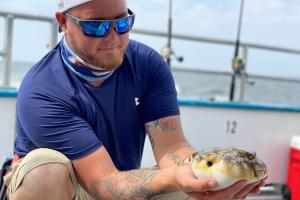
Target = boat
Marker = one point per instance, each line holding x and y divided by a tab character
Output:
258	127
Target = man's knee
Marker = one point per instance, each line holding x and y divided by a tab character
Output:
42	171
51	179
48	174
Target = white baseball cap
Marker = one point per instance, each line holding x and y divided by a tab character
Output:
64	5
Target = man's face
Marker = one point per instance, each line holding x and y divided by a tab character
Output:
106	52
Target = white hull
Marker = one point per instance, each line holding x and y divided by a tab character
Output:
7	126
267	133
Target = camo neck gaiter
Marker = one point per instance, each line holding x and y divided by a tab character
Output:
80	67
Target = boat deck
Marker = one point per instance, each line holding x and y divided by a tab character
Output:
266	197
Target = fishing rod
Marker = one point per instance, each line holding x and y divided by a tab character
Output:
169	44
237	63
167	51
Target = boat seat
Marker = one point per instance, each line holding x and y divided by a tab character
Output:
5	168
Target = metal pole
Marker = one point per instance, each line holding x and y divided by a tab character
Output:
169	44
54	34
236	54
8	36
219	41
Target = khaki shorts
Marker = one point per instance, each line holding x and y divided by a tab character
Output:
37	158
43	156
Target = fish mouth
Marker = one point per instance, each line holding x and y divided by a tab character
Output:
260	169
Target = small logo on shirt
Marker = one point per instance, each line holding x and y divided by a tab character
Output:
136	101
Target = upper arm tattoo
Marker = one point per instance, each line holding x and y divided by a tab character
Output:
166	124
151	141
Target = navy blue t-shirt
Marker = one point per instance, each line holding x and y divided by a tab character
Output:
58	110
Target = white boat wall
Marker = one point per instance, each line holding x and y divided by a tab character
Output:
264	129
7	119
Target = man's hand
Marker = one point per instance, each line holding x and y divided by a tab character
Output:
239	190
256	189
187	182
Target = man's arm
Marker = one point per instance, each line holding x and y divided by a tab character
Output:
170	147
100	178
168	142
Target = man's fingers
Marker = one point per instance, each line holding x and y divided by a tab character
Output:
227	193
197	195
236	187
200	185
262	183
188	182
255	191
203	195
239	190
246	190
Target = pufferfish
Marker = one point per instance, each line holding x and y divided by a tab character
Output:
227	166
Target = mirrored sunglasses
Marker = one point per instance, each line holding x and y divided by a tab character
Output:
100	28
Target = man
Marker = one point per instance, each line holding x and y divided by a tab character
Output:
84	109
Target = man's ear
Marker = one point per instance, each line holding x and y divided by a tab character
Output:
62	22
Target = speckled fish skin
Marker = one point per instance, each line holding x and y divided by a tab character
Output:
227	165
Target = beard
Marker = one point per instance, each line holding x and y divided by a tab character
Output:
112	60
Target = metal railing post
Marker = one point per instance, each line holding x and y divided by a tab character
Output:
53	34
8	37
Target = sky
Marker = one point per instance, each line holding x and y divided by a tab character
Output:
269	22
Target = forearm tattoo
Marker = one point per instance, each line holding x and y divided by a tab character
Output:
133	184
175	158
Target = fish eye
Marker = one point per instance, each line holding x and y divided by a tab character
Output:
251	156
209	163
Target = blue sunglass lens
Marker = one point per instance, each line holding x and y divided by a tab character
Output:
95	29
124	25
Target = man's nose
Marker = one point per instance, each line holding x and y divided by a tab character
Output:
112	33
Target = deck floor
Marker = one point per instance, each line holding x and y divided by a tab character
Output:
266	197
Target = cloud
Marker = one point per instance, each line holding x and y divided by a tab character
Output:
273	22
273	12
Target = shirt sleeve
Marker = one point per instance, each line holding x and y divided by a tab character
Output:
160	99
51	123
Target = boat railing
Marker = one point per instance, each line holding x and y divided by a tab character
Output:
6	53
10	17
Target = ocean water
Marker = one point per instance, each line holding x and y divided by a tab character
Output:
205	86
18	70
217	87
